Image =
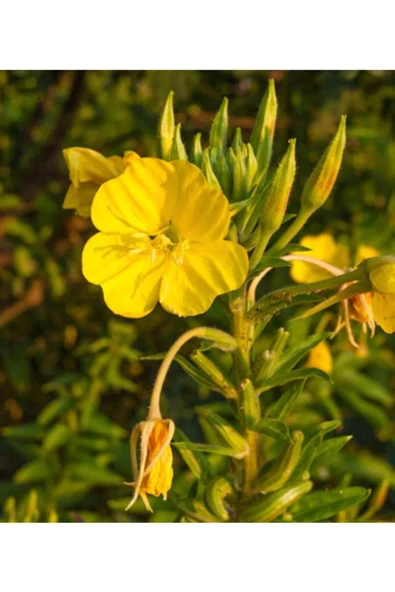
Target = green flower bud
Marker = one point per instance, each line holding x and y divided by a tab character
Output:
209	368
197	152
221	340
227	433
178	151
237	139
167	128
219	130
275	205
240	177
216	492
272	505
251	405
281	469
208	171
322	179
251	166
266	119
221	169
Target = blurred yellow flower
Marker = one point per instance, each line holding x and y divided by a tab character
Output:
161	238
153	473
383	299
88	169
324	248
320	357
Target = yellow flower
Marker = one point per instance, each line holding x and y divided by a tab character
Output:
324	248
154	472
88	169
383	299
320	357
161	238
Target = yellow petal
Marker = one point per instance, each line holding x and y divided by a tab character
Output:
80	198
128	270
142	199
87	165
324	248
383	278
192	279
365	252
201	213
383	306
320	357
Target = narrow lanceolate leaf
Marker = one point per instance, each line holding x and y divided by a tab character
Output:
310	448
219	130
195	460
286	402
275	428
273	505
178	151
227	433
167	128
281	378
208	448
366	386
327	449
370	411
323	178
321	505
294	354
266	119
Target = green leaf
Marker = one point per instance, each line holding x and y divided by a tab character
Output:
56	437
365	466
100	424
371	412
272	505
195	460
33	472
366	386
329	448
275	428
209	448
321	505
286	402
54	409
29	431
311	446
94	474
280	378
189	368
294	354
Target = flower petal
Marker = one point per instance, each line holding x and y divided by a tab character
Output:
383	306
324	248
383	278
142	199
130	278
87	165
201	213
190	285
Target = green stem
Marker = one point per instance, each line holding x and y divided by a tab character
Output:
292	230
263	239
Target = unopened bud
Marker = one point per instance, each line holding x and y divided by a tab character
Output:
272	505
322	179
237	139
281	469
266	119
197	152
167	128
228	434
219	130
178	151
240	178
275	205
208	171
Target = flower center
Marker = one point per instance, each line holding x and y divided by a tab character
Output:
165	241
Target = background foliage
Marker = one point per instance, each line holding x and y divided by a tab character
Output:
72	382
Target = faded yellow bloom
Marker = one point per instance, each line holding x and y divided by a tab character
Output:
153	473
324	248
162	238
320	357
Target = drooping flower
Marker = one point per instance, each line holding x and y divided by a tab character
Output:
335	259
153	472
382	278
88	170
162	231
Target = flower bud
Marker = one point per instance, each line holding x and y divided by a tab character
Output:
227	433
281	469
275	205
237	139
266	119
197	152
221	340
167	128
240	178
322	179
216	492
208	367
178	151
208	171
219	129
272	505
221	169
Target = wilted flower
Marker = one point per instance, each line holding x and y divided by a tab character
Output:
162	231
153	472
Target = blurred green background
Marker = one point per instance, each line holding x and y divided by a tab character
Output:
71	380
